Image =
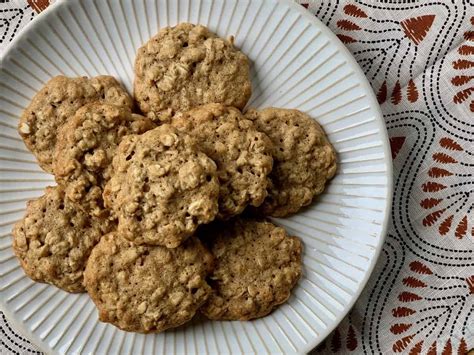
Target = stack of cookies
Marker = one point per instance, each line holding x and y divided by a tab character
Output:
145	216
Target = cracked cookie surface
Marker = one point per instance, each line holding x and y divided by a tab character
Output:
256	266
303	159
186	66
56	103
54	239
86	146
147	288
242	154
163	187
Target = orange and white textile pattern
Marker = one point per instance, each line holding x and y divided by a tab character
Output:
419	58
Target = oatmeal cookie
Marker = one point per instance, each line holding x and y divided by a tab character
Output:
187	66
54	240
147	288
304	160
56	103
242	154
162	187
256	266
85	148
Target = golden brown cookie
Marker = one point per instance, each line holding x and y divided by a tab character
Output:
147	288
256	266
163	187
186	66
304	160
56	103
54	240
85	148
242	154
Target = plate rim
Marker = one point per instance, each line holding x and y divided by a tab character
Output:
18	325
388	161
38	343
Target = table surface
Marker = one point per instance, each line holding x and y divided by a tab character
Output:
419	59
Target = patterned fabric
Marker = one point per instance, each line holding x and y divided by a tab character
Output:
419	58
14	15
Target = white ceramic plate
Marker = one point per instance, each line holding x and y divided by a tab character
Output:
297	63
